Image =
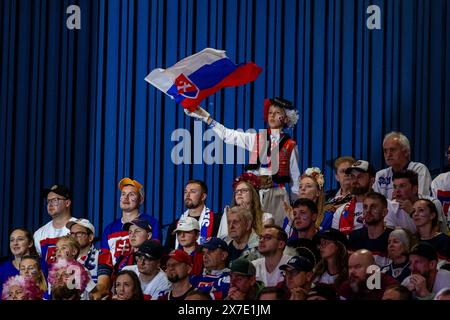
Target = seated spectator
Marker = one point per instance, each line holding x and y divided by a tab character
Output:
310	187
397	292
271	246
302	223
139	230
21	288
356	286
68	249
440	188
20	244
115	244
398	253
195	195
404	195
298	277
349	216
242	239
178	268
374	235
187	233
271	293
84	232
153	280
245	194
426	280
322	292
244	285
127	286
426	219
30	266
332	268
68	279
216	276
340	166
397	154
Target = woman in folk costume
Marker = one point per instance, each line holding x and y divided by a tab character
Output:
274	154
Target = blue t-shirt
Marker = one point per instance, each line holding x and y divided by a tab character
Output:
7	270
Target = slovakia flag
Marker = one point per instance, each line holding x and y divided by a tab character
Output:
196	77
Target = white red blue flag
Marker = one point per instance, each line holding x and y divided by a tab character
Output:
200	75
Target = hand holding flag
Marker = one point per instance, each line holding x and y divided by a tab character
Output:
198	76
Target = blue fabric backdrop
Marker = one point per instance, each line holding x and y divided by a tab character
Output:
75	108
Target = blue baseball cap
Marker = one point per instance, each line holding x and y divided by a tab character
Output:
214	243
141	223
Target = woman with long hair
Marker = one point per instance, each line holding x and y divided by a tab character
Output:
245	194
20	244
311	184
332	268
127	286
30	266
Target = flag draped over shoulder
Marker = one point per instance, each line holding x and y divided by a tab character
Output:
200	75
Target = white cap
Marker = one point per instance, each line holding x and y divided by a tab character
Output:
187	224
82	222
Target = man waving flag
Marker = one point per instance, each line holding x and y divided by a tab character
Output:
200	75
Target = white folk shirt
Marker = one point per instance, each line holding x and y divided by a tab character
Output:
383	180
247	141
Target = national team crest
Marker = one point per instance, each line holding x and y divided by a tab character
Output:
186	87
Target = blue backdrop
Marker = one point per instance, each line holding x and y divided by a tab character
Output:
75	108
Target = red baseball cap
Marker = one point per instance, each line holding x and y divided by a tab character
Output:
181	256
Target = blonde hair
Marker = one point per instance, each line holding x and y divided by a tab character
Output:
71	242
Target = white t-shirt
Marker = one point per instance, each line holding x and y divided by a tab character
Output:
45	239
383	180
398	217
157	287
440	189
326	278
270	279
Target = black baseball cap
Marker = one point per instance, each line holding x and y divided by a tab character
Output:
59	189
298	263
141	223
425	250
332	235
243	267
151	249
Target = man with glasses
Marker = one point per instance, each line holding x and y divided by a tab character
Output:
374	235
84	232
115	242
272	243
58	201
154	282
